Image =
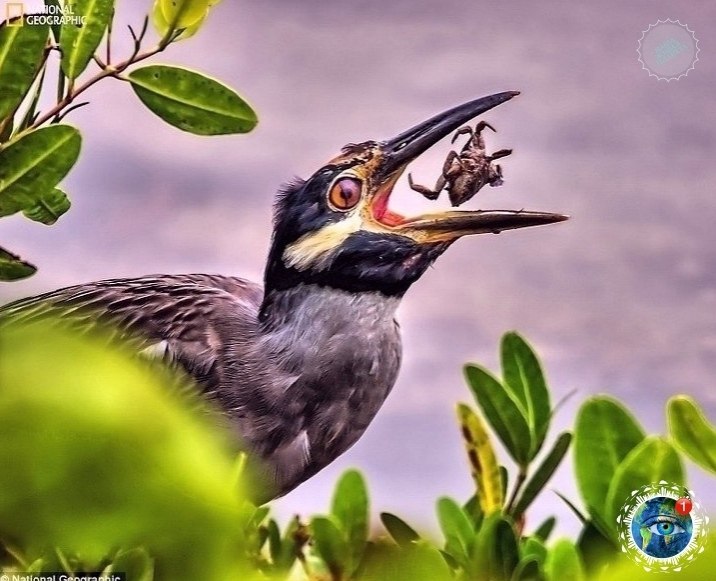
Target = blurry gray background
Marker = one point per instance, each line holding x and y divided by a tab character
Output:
621	299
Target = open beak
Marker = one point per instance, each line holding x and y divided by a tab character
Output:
398	152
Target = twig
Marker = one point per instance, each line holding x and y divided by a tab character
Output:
134	36
108	71
138	38
521	477
59	118
65	98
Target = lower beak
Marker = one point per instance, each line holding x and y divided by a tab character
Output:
398	152
447	226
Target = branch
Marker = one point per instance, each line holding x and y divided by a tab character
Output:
521	477
107	71
59	118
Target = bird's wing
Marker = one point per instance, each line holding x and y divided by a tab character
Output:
174	316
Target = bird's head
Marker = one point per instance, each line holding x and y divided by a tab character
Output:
336	229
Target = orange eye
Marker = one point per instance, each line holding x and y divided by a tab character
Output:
345	193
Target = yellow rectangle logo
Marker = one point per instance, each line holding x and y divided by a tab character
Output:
15	11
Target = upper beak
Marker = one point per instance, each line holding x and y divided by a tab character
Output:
398	152
404	148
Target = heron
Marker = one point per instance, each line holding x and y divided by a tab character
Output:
300	365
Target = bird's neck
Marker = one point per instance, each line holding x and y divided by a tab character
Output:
329	358
322	310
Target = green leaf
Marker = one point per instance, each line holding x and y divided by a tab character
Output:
653	460
533	547
483	463
582	518
330	544
473	510
12	267
183	13
259	515
403	534
540	478
602	525
31	111
135	564
524	379
505	479
79	43
294	537
692	433
56	28
501	411
274	541
528	570
191	101
21	52
417	562
457	529
164	28
33	165
596	548
6	130
350	510
36	566
543	531
605	433
506	550
496	554
564	563
49	207
158	21
101	411
64	561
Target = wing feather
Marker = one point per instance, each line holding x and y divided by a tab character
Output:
177	317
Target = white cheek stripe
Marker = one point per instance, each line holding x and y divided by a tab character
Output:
316	249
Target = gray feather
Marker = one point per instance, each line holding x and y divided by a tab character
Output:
300	382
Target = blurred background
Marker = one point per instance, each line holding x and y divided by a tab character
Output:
620	300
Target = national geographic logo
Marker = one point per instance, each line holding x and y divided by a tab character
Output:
16	14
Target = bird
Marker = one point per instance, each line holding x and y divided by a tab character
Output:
302	364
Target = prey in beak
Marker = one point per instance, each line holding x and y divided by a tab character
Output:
337	227
389	159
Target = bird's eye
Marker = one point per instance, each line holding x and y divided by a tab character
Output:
345	194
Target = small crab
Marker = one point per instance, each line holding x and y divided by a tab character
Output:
464	174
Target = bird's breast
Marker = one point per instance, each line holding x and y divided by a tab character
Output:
334	358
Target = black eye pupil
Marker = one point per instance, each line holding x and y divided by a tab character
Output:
348	188
345	193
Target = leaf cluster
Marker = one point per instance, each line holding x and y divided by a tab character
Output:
38	150
109	467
